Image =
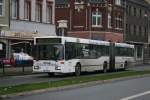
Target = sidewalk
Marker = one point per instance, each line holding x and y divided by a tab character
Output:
15	71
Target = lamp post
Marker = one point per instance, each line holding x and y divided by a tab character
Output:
62	24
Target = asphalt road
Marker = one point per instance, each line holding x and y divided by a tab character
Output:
16	80
136	89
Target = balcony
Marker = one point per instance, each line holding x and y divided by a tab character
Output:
42	29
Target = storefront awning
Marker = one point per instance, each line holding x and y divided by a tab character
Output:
3	25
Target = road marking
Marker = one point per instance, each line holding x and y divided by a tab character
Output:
135	96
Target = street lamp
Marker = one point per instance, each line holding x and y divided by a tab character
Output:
62	24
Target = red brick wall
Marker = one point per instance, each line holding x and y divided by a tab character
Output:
62	14
114	37
80	28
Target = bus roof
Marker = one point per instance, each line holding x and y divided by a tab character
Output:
78	40
87	41
124	45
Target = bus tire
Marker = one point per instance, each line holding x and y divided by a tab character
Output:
125	65
50	74
105	67
78	69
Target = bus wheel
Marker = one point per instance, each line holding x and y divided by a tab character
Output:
125	65
50	74
105	67
78	70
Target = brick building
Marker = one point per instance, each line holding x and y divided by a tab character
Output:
95	19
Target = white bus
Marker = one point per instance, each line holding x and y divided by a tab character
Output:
55	54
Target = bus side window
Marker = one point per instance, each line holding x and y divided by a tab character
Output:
70	51
93	53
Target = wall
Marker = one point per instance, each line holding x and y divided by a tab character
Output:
5	19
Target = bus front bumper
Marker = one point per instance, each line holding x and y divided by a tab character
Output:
50	69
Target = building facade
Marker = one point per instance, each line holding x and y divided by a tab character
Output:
148	29
94	19
4	24
137	27
4	15
32	16
23	20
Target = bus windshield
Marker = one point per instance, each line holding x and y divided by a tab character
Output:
51	52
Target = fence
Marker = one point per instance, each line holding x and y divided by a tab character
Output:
19	68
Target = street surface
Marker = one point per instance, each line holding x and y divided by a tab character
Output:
136	89
16	80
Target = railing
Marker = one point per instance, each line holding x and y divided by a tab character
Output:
14	67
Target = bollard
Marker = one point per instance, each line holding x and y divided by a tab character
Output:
3	68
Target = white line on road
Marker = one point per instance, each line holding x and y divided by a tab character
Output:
135	96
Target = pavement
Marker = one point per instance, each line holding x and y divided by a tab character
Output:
26	79
37	78
135	89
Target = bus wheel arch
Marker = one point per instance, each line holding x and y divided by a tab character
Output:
78	69
105	65
125	65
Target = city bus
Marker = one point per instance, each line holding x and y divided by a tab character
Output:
57	54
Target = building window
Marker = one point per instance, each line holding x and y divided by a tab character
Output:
109	20
38	11
15	9
1	7
134	29
135	12
118	2
139	52
129	10
49	12
129	29
96	19
145	31
140	30
27	10
140	12
119	22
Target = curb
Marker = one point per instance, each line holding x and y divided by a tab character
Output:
62	88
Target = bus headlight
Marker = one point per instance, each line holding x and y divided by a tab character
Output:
57	67
36	67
